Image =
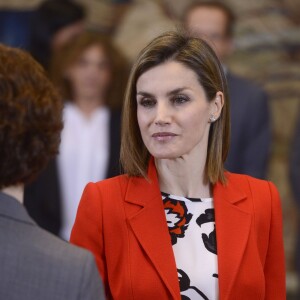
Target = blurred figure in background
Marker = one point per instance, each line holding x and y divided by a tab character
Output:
295	182
34	263
142	21
88	73
54	23
250	120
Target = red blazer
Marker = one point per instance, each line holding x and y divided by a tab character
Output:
122	221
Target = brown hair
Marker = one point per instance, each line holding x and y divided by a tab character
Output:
72	51
230	16
30	117
198	56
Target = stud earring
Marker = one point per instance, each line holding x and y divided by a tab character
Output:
212	119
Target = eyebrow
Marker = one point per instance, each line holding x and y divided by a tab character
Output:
173	92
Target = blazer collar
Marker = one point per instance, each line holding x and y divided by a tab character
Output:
148	222
147	219
11	208
231	191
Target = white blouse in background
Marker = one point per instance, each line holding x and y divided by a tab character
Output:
83	157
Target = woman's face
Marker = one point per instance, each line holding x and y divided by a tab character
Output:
173	112
90	75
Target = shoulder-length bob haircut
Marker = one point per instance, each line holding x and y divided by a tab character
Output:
198	56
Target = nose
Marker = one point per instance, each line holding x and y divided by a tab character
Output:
163	114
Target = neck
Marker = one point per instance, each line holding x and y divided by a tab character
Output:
183	177
88	105
16	191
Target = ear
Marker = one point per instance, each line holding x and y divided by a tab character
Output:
216	106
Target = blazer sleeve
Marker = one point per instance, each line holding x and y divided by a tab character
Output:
274	268
87	229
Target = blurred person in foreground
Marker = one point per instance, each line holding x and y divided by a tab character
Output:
53	24
177	225
34	264
250	121
89	73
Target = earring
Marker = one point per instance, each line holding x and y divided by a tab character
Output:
212	119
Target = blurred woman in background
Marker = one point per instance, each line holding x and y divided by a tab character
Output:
88	72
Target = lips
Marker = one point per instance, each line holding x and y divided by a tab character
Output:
163	136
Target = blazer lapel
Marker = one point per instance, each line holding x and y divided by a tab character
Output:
232	229
147	219
148	222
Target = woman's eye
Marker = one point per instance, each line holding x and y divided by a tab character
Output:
180	99
147	102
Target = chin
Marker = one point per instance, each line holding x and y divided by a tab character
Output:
166	155
164	152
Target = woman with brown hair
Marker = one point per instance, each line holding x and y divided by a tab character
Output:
177	225
87	72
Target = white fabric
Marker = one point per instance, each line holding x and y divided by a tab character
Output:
83	158
195	263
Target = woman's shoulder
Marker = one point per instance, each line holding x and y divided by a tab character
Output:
243	178
115	188
254	185
115	182
104	193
